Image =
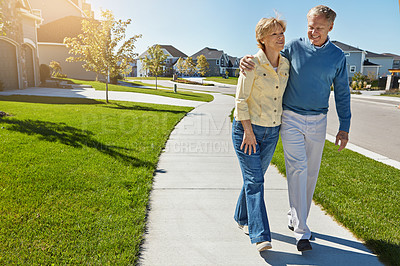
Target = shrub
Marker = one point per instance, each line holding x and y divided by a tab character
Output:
44	73
114	80
56	67
59	75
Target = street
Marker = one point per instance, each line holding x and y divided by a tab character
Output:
375	124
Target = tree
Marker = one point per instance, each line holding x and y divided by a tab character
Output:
56	68
154	61
100	47
3	22
189	66
180	66
202	65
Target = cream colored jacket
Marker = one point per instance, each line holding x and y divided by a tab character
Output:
259	93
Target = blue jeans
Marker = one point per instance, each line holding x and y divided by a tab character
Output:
250	208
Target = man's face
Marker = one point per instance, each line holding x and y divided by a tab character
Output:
318	29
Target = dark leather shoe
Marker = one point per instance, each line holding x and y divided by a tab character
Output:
292	229
303	245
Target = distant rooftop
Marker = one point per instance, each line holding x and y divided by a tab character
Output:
346	47
170	49
395	56
209	53
371	54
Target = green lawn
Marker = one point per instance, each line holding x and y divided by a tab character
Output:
139	83
187	95
149	78
230	80
362	194
75	178
390	95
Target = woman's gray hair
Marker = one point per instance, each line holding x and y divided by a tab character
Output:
329	14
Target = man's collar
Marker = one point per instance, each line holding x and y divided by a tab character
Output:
322	46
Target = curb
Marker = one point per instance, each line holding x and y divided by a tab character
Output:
367	153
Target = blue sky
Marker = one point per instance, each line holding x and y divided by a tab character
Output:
229	24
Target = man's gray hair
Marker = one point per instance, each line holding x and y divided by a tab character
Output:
329	14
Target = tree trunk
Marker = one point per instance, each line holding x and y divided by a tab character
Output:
156	81
107	90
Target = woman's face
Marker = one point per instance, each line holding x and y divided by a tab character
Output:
275	40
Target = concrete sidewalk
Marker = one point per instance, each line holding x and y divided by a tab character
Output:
91	93
194	195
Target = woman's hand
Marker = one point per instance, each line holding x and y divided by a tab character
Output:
249	139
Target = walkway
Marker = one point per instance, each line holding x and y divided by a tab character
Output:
91	93
194	195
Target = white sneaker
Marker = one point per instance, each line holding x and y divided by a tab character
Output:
245	228
261	246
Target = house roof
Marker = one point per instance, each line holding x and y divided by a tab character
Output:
346	47
173	51
368	63
371	54
232	59
56	31
170	49
395	56
209	53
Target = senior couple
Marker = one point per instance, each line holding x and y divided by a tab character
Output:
286	89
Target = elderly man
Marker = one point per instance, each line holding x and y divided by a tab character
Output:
315	65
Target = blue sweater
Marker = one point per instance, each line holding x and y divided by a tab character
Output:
312	72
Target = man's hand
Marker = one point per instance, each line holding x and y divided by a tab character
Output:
246	64
343	137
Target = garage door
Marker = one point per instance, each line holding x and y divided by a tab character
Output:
29	65
8	66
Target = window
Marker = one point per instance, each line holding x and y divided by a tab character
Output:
352	69
217	62
346	54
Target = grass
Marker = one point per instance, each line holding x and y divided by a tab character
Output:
230	80
149	78
362	194
193	96
392	93
191	82
142	84
75	178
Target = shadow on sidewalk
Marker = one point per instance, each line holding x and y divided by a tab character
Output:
351	253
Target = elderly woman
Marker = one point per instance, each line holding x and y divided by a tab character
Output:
255	130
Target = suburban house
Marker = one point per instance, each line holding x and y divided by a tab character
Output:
396	61
385	61
61	18
365	62
173	55
233	68
219	62
19	62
